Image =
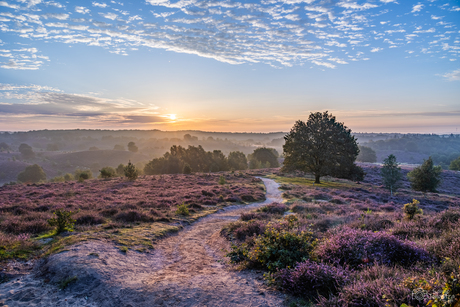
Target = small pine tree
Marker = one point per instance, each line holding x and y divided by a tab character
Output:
63	221
391	173
412	209
426	177
131	171
222	180
187	169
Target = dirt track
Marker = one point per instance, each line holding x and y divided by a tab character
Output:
183	270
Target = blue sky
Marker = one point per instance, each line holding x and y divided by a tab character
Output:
377	65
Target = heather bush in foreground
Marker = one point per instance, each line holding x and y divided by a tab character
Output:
359	248
310	279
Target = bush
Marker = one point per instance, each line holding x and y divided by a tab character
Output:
311	279
32	173
131	171
182	210
108	172
88	219
274	208
360	248
63	221
455	164
132	216
426	177
187	169
82	175
240	230
280	248
412	209
68	177
222	180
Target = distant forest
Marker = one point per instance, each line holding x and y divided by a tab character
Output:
63	151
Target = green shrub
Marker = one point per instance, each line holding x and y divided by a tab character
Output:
108	172
187	169
82	175
68	177
426	177
182	210
58	179
412	209
280	248
63	221
131	171
32	173
222	180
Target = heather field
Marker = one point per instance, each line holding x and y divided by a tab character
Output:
341	243
132	214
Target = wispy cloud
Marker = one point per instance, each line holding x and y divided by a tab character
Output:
453	76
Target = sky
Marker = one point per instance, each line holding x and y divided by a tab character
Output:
241	66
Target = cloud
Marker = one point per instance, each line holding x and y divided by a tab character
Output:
453	76
101	5
376	49
81	10
11	6
417	8
111	16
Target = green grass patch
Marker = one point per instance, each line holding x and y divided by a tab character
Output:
66	282
333	183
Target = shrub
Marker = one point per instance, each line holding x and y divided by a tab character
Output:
32	173
359	248
88	219
108	172
58	179
310	279
425	177
68	177
63	221
131	171
182	210
412	209
82	175
280	248
222	180
187	169
455	164
242	230
274	208
132	216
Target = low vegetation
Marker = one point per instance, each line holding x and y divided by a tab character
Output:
353	245
131	213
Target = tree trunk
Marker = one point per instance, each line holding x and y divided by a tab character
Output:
317	179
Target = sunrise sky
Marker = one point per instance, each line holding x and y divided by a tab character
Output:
377	65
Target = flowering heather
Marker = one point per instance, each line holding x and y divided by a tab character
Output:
309	278
360	248
26	208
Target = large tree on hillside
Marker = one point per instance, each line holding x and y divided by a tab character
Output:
321	146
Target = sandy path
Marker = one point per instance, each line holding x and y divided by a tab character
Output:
183	270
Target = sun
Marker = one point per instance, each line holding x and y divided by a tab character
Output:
172	116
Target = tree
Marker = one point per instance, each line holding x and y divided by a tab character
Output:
237	160
366	154
131	171
391	173
32	173
455	164
4	146
132	147
108	172
321	146
264	155
426	177
118	147
26	151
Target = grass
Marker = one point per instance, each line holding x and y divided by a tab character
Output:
333	183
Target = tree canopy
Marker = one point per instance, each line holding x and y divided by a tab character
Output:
321	146
32	173
26	151
426	177
366	154
391	173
